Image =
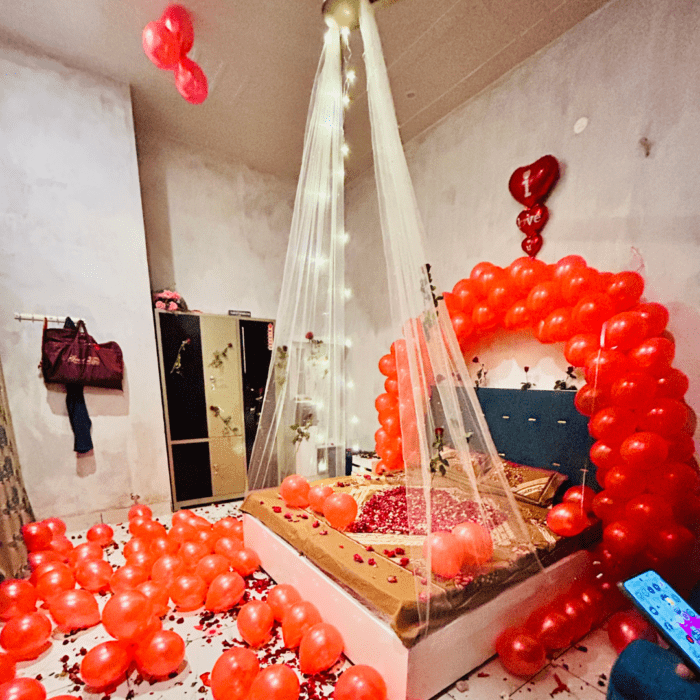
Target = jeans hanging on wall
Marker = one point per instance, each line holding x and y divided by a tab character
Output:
77	412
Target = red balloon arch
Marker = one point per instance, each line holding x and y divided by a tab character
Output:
649	502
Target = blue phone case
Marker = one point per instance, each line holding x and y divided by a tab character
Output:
676	621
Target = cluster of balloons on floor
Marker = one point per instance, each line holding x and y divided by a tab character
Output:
167	42
649	504
194	564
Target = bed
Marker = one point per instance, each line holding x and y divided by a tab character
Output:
365	580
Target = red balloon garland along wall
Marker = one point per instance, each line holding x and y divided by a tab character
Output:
649	504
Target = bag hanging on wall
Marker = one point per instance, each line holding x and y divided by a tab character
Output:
71	356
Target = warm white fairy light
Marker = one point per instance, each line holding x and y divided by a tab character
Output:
344	237
346	100
351	76
354	420
351	385
348	342
345	150
347	293
355	447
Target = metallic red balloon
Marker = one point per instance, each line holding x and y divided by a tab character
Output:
106	664
233	674
161	655
282	597
276	682
567	519
22	689
26	636
101	533
37	536
17	597
161	46
225	591
626	627
320	647
74	610
191	82
255	620
520	653
533	183
360	683
178	20
294	490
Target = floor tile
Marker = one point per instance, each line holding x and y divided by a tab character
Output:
591	659
553	681
488	681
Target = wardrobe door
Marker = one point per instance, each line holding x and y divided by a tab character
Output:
228	472
181	351
191	469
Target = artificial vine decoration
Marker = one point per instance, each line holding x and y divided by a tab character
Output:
220	356
301	430
561	384
527	384
281	366
177	365
226	420
316	355
438	463
481	374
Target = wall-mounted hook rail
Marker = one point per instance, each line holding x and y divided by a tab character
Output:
40	317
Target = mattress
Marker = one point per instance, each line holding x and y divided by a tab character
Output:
379	563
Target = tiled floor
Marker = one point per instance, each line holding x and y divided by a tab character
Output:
581	672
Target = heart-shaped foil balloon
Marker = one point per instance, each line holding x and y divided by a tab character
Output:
533	220
532	245
533	183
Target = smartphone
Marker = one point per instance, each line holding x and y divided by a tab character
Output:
675	620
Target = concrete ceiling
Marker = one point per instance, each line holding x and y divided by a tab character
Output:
260	58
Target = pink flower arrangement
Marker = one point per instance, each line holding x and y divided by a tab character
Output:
168	300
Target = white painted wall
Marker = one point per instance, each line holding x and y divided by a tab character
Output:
216	231
633	69
73	243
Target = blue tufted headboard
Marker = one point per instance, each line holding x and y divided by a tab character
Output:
539	429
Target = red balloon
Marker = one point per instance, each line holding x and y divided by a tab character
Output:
626	627
623	539
276	682
62	546
462	325
161	46
612	424
644	450
56	525
543	299
567	265
177	19
520	653
579	347
297	619
655	316
591	312
320	647
391	424
127	577
672	385
582	495
391	387
127	616
386	402
282	597
555	327
624	331
551	628
673	480
577	282
604	455
623	482
210	566
467	295
477	545
387	365
340	509
245	561
589	400
149	529
85	551
593	598
135	544
36	559
446	553
233	674
183	517
673	542
182	532
525	273
74	610
317	497
295	491
604	367
227	527
487	278
101	533
157	595
226	546
484	317
633	390
190	553
53	582
360	683
255	620
649	511
161	655
17	597
607	508
22	689
502	295
166	569
37	536
681	447
518	317
191	82
624	289
654	356
140	510
8	668
453	306
106	664
143	560
188	592
26	636
579	615
567	519
665	417
94	575
225	591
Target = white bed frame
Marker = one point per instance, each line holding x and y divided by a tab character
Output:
439	659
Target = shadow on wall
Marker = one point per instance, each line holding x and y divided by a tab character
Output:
156	214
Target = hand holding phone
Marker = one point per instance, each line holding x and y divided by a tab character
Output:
676	621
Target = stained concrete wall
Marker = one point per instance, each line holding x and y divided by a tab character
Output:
216	230
633	70
73	244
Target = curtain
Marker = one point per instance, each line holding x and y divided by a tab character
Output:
15	509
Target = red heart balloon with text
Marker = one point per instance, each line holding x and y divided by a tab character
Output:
533	183
533	220
532	245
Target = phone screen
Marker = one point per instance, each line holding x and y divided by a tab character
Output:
677	622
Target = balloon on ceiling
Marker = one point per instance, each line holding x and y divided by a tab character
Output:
167	42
